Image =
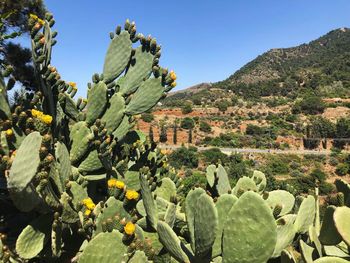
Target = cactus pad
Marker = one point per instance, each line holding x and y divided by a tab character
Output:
104	248
306	215
147	95
283	198
26	163
97	102
166	189
117	57
34	237
341	218
329	234
249	221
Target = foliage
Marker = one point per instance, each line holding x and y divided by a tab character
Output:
184	157
186	108
204	127
147	117
214	156
187	123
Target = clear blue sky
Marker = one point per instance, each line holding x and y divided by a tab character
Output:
202	40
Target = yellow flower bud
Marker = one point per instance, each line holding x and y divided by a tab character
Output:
87	212
173	75
9	132
173	84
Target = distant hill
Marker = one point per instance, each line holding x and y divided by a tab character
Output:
321	67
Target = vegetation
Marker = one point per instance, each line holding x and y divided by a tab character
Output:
147	117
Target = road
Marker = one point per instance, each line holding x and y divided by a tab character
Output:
228	151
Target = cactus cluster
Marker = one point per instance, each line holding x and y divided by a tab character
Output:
86	187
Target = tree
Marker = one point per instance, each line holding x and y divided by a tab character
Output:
14	18
147	117
190	136
150	134
163	135
222	105
187	123
204	127
309	105
186	108
183	156
175	133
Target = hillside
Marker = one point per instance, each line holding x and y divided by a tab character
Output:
320	66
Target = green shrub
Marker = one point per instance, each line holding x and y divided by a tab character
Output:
196	179
318	174
184	157
333	161
326	188
213	155
204	126
187	123
277	165
147	117
342	169
186	108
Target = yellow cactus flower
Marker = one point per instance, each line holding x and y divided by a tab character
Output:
36	113
72	84
163	151
173	75
46	119
35	17
131	195
87	212
129	228
89	204
173	84
119	184
40	21
9	132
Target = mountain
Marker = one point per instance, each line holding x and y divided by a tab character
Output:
321	66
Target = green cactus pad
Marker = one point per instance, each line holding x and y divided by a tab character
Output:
5	112
306	215
78	194
147	95
123	128
114	113
69	215
131	179
27	199
97	102
166	189
111	208
330	260
343	187
340	250
249	220
68	106
223	185
148	202
104	248
329	234
190	207
138	257
205	225
140	69
285	233
62	158
306	252
91	163
260	180
117	57
281	197
25	164
244	184
170	215
79	136
34	237
223	205
342	222
171	242
210	174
